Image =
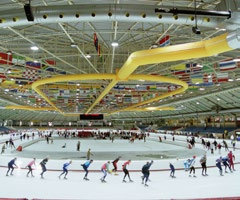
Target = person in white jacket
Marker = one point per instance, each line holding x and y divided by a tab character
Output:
192	167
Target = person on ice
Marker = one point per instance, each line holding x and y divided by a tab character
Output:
105	170
219	165
43	166
203	162
192	166
146	172
29	166
11	165
65	169
85	167
126	172
115	165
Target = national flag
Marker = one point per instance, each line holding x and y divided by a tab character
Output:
179	69
95	39
194	67
18	60
21	81
208	68
184	77
5	59
209	79
227	65
31	74
151	87
222	77
197	79
49	65
165	41
33	64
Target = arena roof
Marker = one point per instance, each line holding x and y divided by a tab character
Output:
76	69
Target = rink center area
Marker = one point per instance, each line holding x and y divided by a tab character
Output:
161	185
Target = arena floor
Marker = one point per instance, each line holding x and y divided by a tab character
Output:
161	185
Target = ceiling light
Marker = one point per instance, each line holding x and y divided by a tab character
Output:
236	60
88	56
73	45
114	44
34	48
9	52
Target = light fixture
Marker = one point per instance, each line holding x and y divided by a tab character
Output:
34	48
195	28
88	55
114	43
9	52
73	45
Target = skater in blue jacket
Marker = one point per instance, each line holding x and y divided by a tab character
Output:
10	166
85	167
65	169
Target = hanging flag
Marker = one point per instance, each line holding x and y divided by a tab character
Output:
209	79
184	77
179	69
222	77
33	64
18	60
197	79
95	39
227	65
165	41
194	67
49	65
5	59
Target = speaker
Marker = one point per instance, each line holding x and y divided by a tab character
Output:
28	12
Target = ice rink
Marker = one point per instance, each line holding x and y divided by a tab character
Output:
161	186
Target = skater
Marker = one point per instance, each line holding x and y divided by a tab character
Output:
125	170
218	164
10	166
65	169
85	167
186	164
78	146
231	159
192	166
172	168
225	145
89	154
3	148
43	166
105	170
225	161
146	172
203	162
115	165
29	166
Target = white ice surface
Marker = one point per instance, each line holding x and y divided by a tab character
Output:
161	185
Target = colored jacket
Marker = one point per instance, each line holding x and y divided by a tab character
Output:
124	166
86	164
146	167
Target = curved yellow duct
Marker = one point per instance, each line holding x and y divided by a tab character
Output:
173	53
199	49
75	77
